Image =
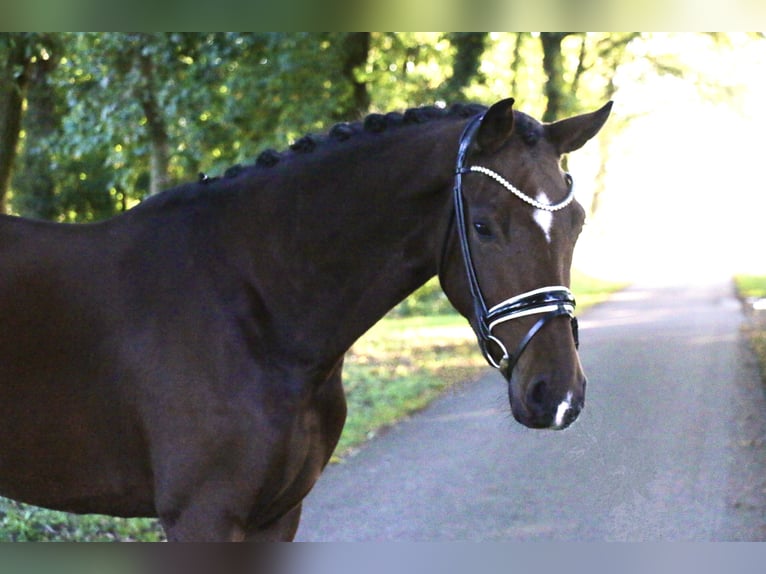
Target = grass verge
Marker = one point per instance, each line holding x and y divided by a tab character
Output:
26	523
752	287
397	368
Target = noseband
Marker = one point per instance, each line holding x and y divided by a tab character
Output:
549	302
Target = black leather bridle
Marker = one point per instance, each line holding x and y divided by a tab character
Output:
549	302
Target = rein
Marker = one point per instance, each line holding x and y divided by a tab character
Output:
550	302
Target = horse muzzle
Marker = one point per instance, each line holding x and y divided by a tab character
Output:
540	406
553	400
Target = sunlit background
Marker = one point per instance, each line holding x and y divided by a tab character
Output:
684	192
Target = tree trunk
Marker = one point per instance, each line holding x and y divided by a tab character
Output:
160	155
356	50
469	48
159	161
553	64
517	62
34	182
13	84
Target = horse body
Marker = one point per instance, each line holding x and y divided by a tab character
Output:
183	360
228	344
176	412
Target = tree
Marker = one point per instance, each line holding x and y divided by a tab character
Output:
408	69
596	55
136	113
553	64
123	91
469	48
356	48
146	90
34	179
18	52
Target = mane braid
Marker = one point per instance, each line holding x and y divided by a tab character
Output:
374	123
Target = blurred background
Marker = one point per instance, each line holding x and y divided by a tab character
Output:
90	124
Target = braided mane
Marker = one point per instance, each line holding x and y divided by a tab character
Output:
373	123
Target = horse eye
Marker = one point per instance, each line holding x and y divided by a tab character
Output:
482	229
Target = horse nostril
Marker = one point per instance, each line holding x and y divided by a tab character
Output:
536	393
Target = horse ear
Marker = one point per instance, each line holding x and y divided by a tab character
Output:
496	127
572	133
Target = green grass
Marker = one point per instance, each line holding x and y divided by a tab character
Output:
589	291
400	366
397	368
25	523
751	285
754	286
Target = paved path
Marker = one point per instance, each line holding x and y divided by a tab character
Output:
671	445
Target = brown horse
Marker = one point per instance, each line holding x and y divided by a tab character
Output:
183	360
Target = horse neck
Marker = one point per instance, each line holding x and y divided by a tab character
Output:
343	236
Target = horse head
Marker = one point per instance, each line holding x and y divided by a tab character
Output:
506	266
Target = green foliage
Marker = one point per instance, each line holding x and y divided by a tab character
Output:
216	98
589	291
206	101
751	285
25	523
428	300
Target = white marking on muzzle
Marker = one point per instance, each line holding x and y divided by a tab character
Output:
543	218
562	410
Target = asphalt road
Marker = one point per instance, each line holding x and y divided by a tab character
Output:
671	444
